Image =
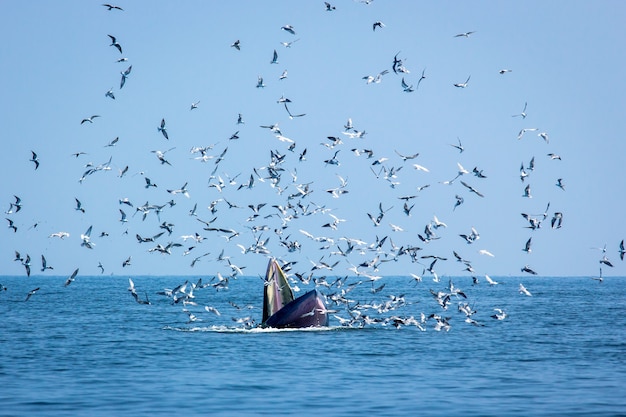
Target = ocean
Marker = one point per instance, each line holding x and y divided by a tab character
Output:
90	349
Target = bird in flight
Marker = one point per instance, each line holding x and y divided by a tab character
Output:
464	34
289	28
31	293
89	119
12	225
79	205
71	278
459	146
125	75
115	43
406	87
463	85
44	264
34	159
111	7
162	129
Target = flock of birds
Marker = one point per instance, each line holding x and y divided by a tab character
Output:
268	226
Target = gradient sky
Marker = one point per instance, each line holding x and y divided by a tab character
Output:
565	61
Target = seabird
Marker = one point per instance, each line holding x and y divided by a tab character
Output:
25	262
34	159
377	24
463	85
472	189
376	79
523	290
500	314
162	129
112	143
524	130
71	278
44	264
86	239
288	44
31	293
527	248
464	34
79	205
236	45
559	183
490	281
11	225
89	119
289	28
406	87
606	261
459	146
111	7
114	43
125	75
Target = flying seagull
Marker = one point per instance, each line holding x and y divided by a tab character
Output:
31	293
162	129
111	7
79	205
12	225
463	85
89	119
34	159
464	34
114	43
125	75
71	278
289	28
44	264
406	87
523	290
459	146
377	24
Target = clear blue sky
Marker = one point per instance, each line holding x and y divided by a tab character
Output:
566	63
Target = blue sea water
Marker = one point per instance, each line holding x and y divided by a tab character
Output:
90	349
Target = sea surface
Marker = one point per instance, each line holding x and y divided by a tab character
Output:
90	349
